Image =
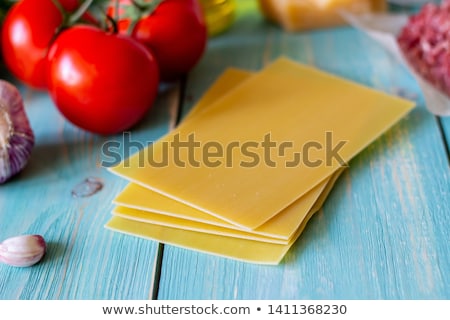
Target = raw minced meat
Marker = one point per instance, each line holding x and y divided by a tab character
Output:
425	42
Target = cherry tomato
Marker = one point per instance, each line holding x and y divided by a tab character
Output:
101	82
175	32
28	29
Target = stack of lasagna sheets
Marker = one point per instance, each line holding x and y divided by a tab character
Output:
252	162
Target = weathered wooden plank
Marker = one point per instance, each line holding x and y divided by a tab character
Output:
382	234
84	260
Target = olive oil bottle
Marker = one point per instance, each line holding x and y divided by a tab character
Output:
219	15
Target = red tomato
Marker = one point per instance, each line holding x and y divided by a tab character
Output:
175	32
101	82
27	31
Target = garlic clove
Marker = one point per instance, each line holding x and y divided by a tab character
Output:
16	135
22	251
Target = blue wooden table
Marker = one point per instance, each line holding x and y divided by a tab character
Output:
383	233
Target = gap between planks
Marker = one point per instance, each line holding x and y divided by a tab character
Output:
444	138
175	105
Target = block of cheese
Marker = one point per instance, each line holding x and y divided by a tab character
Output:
294	15
289	102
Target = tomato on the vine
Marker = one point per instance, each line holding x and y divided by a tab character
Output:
28	29
175	31
101	82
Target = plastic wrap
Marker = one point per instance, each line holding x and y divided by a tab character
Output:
384	28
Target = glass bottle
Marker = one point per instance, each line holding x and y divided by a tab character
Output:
219	15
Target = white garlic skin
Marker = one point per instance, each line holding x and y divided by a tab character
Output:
16	135
22	251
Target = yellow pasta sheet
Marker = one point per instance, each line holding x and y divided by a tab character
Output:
294	105
229	247
247	247
139	203
228	80
137	197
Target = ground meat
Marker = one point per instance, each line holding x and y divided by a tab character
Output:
425	42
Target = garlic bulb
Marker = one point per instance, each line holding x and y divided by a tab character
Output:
16	135
22	251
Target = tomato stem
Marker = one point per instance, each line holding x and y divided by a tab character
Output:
140	6
117	10
113	23
79	12
143	9
65	15
146	8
